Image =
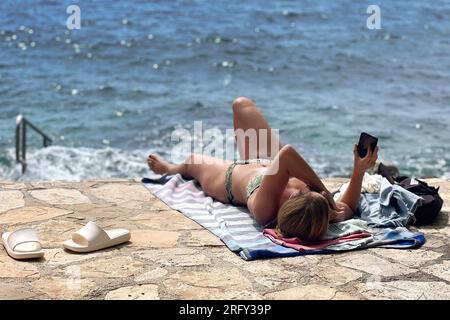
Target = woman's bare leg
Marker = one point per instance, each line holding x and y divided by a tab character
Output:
246	115
208	171
253	143
161	166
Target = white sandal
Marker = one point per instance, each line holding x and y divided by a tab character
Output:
92	237
22	244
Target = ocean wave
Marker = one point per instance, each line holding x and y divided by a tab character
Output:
75	164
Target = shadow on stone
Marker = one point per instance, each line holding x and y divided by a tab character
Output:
441	222
109	249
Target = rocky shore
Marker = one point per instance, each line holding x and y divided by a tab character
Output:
172	257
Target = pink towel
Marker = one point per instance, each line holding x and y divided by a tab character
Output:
300	245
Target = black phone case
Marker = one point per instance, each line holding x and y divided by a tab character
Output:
362	152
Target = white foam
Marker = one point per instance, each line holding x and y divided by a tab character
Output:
75	164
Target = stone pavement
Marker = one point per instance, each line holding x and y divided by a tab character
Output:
172	257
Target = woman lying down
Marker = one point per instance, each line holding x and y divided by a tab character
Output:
290	193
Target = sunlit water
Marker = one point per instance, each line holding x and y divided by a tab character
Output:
115	90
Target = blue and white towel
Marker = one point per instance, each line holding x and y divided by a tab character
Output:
243	235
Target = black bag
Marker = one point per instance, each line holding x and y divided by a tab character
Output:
432	202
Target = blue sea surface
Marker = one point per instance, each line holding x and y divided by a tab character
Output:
116	89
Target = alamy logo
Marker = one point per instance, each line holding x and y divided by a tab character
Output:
74	20
374	20
213	143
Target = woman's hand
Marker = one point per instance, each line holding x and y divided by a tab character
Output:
330	199
361	165
343	212
352	195
337	215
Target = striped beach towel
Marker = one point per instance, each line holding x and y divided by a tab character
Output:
241	233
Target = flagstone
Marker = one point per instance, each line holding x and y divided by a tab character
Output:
151	275
14	186
159	206
57	258
210	283
336	274
180	257
308	292
32	214
411	258
200	238
111	266
441	270
166	220
10	268
271	275
54	232
154	238
65	288
127	196
405	290
60	196
373	265
15	291
172	257
139	292
10	200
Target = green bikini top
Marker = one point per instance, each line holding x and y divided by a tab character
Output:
254	184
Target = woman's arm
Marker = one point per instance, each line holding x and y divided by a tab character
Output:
287	163
298	168
350	199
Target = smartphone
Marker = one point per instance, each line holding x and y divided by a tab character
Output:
366	141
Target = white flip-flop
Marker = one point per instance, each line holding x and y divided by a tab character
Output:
22	244
92	237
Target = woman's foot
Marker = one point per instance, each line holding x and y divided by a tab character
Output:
160	166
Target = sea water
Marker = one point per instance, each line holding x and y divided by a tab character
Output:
116	89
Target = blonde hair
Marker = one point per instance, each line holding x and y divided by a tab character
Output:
304	216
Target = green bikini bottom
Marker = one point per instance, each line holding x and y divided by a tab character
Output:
253	184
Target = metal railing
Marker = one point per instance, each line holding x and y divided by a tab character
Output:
21	140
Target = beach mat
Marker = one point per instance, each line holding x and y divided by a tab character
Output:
244	236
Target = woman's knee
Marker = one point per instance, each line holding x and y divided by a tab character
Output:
192	159
286	152
240	103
